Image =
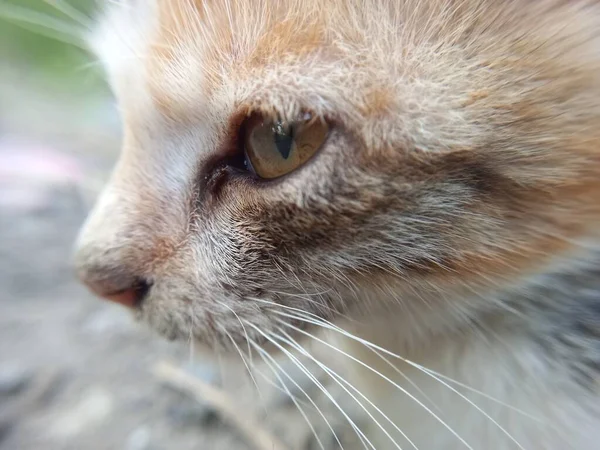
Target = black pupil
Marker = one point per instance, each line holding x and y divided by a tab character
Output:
284	138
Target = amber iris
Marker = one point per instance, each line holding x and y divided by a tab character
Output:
275	148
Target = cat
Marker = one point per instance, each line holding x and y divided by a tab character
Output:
414	183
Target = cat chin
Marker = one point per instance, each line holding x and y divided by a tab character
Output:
226	331
222	345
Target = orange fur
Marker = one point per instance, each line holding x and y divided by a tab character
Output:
461	167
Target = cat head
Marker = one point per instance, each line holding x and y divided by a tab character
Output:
306	158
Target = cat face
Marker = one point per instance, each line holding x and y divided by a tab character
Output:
294	156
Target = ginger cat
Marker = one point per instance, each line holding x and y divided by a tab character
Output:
418	178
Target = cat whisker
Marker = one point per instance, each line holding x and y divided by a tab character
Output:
97	63
411	382
305	294
475	391
268	302
465	398
296	285
384	377
191	336
425	370
248	368
319	305
71	12
303	368
322	388
339	380
266	357
243	329
277	387
43	24
328	325
251	364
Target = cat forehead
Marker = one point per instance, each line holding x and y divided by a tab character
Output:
280	56
173	55
360	63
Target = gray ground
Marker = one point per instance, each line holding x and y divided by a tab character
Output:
75	372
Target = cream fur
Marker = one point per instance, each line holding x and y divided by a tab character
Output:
449	214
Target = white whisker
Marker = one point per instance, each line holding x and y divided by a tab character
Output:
465	398
248	369
243	328
336	377
45	25
355	427
330	326
408	394
191	338
475	391
71	12
279	388
303	368
264	355
408	380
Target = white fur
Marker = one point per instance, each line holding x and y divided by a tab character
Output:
446	328
555	413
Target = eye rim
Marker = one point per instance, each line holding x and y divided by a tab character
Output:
254	118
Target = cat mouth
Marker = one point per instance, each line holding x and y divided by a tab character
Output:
267	333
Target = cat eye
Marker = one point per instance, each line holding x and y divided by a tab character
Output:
274	148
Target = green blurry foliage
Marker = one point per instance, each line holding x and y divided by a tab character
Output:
42	42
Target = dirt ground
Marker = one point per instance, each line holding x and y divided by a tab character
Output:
75	372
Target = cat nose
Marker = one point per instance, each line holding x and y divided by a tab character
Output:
115	285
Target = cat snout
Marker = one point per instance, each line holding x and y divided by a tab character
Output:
113	282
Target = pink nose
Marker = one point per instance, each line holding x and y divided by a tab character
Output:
130	297
115	286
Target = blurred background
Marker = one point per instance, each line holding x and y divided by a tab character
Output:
75	372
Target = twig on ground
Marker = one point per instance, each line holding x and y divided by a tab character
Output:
260	438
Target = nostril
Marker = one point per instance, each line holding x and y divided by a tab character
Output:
116	286
131	297
142	287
